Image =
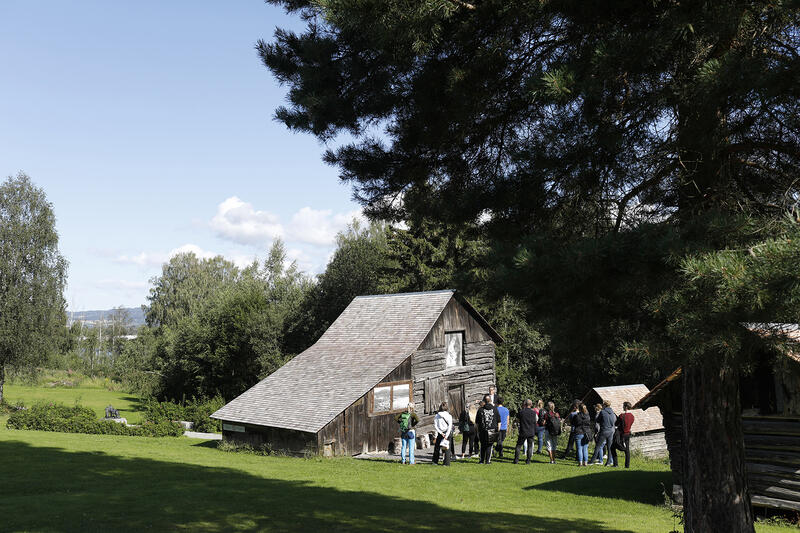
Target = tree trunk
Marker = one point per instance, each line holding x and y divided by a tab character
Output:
715	493
2	380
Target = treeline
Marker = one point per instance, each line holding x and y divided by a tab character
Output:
214	329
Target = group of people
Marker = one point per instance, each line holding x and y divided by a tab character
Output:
484	426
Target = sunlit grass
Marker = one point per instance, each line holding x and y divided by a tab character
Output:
72	482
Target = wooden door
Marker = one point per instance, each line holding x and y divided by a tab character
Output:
455	397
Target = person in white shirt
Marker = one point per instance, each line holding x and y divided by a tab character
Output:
443	425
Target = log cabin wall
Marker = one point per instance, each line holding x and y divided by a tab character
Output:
355	431
433	382
289	441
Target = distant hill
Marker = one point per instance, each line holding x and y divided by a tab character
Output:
91	317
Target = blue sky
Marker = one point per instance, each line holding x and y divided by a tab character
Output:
149	125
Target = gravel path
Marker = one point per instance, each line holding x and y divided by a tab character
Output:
198	435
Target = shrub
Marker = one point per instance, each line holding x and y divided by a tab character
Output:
78	419
196	411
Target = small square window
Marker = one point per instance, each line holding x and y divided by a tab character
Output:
454	349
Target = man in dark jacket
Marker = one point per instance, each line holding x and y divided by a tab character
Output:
527	430
488	422
607	420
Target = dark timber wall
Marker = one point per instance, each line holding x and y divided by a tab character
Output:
433	383
286	440
355	431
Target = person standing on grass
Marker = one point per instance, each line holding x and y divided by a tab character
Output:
571	440
488	422
582	423
466	424
501	435
443	424
624	424
553	427
408	437
541	431
527	430
606	420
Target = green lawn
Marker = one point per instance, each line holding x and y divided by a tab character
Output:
70	482
94	397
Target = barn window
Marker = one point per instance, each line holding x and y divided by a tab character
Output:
391	397
454	346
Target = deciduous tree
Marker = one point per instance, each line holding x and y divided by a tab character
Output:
32	277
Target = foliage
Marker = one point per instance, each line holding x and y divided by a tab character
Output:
354	270
214	329
78	419
195	410
32	277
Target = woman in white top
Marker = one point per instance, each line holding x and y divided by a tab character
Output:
443	424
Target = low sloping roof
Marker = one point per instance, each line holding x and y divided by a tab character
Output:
646	401
642	420
371	338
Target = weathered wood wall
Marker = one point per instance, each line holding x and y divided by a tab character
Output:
772	457
286	440
432	381
355	431
652	444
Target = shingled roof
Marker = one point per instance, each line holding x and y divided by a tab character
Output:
642	420
373	336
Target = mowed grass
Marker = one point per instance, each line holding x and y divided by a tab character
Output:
94	397
70	482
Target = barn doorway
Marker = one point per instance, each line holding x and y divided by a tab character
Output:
455	398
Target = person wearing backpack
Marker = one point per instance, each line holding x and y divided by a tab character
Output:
606	420
408	437
488	422
553	427
443	424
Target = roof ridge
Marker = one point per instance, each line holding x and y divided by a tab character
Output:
404	293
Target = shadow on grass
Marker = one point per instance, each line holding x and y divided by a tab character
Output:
604	482
49	489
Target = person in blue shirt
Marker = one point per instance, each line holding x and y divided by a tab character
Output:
503	427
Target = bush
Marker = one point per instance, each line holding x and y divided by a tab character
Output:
196	411
78	419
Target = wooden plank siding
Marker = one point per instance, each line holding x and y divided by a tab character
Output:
432	380
293	442
355	431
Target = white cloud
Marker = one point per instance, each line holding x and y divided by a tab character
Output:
121	284
143	259
240	222
319	227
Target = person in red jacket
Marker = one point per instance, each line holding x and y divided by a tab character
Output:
624	424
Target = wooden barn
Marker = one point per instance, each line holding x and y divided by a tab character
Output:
647	432
770	399
340	396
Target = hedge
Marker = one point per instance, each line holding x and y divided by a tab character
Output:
196	411
78	419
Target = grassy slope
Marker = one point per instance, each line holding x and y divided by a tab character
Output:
94	397
68	482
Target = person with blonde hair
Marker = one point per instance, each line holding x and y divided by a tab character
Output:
541	431
408	437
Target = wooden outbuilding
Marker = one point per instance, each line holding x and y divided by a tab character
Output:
770	399
340	396
647	432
